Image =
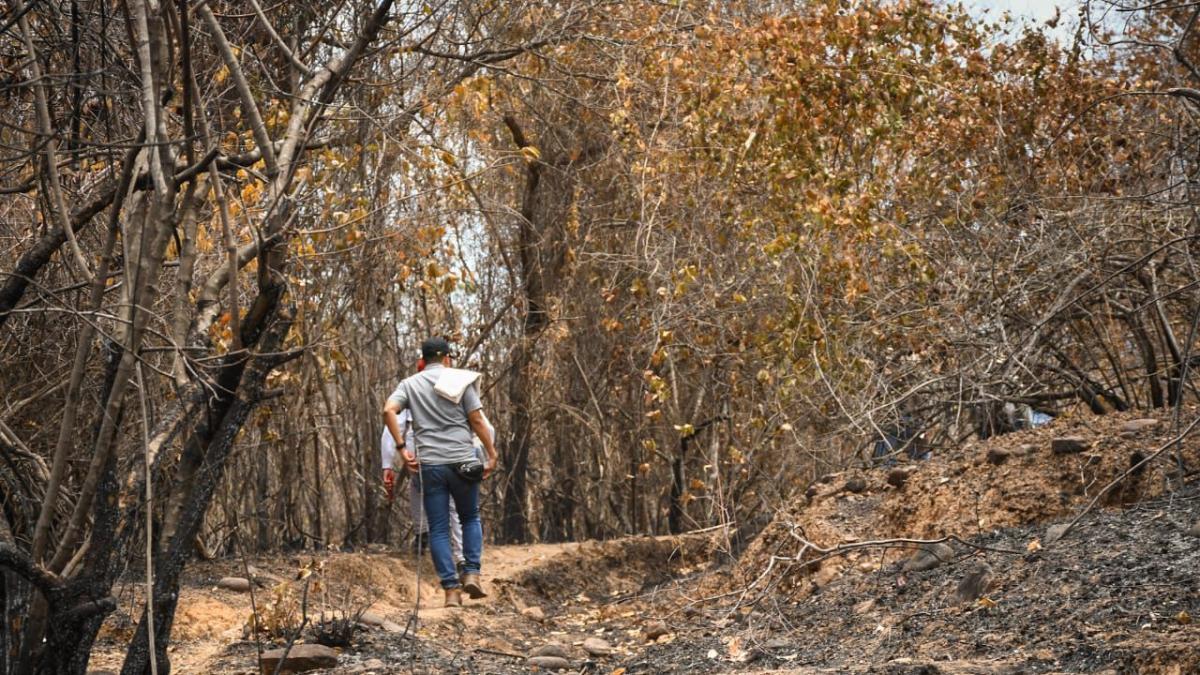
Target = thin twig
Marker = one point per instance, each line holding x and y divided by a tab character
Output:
237	540
150	641
497	652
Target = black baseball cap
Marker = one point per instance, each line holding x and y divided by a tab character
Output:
435	348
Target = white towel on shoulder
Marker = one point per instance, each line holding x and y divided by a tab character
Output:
454	382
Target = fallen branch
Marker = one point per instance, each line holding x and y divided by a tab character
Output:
840	549
894	543
497	652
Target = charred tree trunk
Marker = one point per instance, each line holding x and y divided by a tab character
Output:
212	442
515	528
675	513
1149	361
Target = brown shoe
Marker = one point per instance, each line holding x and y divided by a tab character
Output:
454	597
473	587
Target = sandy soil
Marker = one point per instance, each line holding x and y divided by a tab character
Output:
211	623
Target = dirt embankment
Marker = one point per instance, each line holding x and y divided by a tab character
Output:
1007	481
1117	594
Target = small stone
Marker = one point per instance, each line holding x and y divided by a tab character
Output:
371	665
1194	530
597	647
299	659
1134	426
550	662
855	485
974	585
235	584
1068	445
1054	533
371	618
864	606
997	456
550	649
655	630
898	476
535	613
928	557
391	627
812	491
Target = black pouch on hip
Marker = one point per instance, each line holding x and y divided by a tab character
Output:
470	471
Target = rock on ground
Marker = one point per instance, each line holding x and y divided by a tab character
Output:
1069	445
550	649
550	662
974	585
1055	532
928	557
655	630
899	476
299	659
235	584
597	647
1134	426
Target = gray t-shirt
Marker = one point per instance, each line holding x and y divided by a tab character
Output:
443	435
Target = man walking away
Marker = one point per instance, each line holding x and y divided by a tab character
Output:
445	456
393	462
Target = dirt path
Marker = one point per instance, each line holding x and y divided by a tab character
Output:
211	620
503	564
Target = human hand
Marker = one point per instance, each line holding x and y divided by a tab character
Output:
489	466
389	484
410	460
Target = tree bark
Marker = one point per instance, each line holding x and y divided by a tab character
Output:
515	527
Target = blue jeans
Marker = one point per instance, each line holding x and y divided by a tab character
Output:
441	484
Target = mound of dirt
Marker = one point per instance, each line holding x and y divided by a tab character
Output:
1011	480
199	617
604	570
377	578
